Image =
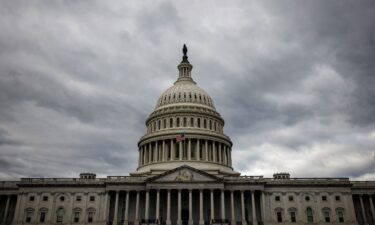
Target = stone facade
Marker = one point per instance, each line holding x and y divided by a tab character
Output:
185	176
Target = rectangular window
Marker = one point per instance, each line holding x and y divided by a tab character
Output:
279	217
293	217
78	198
324	198
31	198
92	198
76	217
277	198
42	218
45	198
171	123
326	217
28	217
90	217
337	197
340	215
291	198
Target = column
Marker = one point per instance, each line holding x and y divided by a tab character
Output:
144	155
17	209
179	222
180	149
189	149
173	151
372	207
243	209
206	150
232	208
105	214
220	153
363	209
147	205
264	208
212	205
222	205
214	156
230	156
156	152
116	209
164	152
255	222
149	152
126	216
168	221
201	221
6	209
157	205
136	220
190	207
197	149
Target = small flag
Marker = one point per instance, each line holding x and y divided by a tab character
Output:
180	138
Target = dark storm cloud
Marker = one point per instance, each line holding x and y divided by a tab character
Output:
294	82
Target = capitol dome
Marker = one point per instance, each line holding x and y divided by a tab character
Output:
185	129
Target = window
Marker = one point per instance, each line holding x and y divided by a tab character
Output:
60	215
307	198
279	217
62	198
45	198
185	122
42	217
199	122
309	213
90	217
76	217
79	198
31	198
324	198
337	198
277	198
171	122
293	217
164	123
29	216
340	216
204	123
291	198
327	218
192	122
178	122
92	198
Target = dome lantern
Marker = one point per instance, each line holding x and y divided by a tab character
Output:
185	67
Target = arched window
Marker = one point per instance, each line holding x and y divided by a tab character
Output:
199	122
292	213
60	215
29	215
90	215
185	122
204	123
309	214
171	122
340	214
76	215
42	215
177	122
279	214
191	122
164	123
159	125
210	125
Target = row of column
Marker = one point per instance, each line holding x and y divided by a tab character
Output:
363	208
179	207
189	149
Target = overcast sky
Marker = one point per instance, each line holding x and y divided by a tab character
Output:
294	81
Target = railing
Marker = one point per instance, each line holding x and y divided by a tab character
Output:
8	184
62	180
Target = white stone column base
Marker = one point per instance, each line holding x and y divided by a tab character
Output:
126	222
179	222
135	222
168	222
244	222
191	222
201	222
233	222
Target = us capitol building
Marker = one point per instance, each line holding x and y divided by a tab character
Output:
185	176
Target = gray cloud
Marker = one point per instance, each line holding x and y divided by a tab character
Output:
294	82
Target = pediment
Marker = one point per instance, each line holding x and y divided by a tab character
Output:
185	174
